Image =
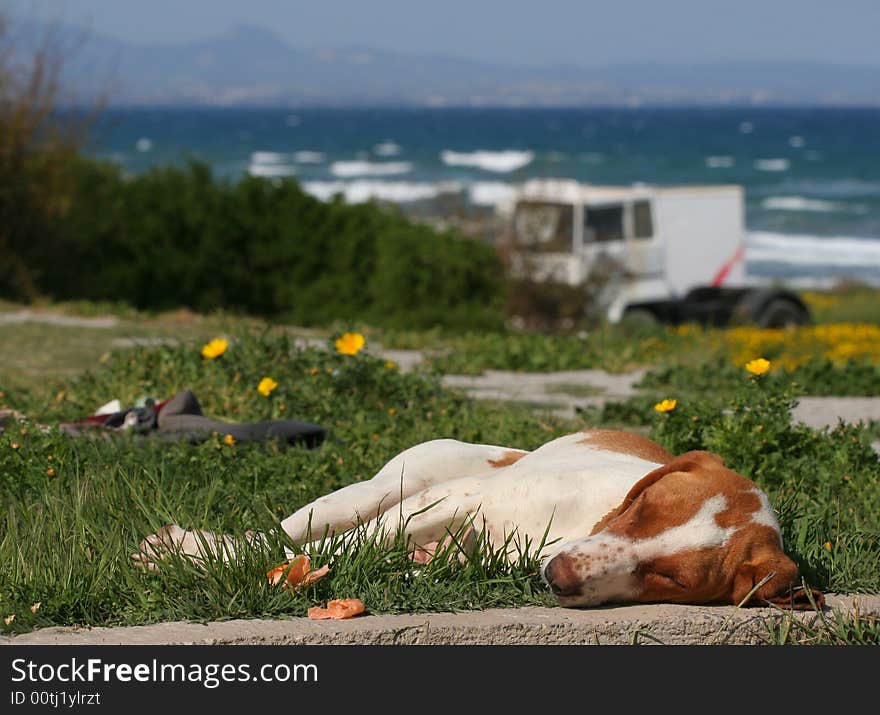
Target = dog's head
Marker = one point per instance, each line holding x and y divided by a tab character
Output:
691	531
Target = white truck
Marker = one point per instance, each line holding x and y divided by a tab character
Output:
660	254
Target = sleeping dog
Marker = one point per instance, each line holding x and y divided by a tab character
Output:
627	520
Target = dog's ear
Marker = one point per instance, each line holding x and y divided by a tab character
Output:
687	462
779	580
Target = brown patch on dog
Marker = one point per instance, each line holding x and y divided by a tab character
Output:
682	487
627	443
751	561
509	457
670	496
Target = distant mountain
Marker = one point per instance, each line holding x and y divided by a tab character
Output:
253	66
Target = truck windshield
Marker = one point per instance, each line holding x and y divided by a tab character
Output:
542	226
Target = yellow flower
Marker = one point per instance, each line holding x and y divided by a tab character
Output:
758	366
36	606
229	440
267	384
828	545
350	343
215	348
392	411
390	364
666	405
15	445
9	619
50	471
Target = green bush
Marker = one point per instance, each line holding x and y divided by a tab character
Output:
179	237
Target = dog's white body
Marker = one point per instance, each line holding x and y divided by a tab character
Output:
564	485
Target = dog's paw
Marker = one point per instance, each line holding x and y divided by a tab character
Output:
465	543
156	547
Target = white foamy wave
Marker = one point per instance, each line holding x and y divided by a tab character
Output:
837	188
801	203
797	141
388	148
500	162
720	162
271	170
772	164
490	193
348	169
361	191
269	157
309	157
144	144
804	250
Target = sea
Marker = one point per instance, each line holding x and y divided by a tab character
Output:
811	176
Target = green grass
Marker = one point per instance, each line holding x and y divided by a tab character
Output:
836	628
846	304
73	510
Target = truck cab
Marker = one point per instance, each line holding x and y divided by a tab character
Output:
668	254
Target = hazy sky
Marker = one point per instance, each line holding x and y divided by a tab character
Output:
580	32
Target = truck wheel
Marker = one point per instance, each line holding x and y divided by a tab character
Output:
781	313
639	319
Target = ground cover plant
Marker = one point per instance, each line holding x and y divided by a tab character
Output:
812	351
74	509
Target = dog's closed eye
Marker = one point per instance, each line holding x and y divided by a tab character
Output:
666	580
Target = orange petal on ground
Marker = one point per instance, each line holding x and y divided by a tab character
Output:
276	574
313	576
337	610
296	571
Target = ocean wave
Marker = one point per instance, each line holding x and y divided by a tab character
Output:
349	169
772	164
144	144
269	157
309	157
720	162
500	162
823	188
387	148
490	193
806	250
361	191
802	203
271	170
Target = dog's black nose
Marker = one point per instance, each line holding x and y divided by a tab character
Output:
561	575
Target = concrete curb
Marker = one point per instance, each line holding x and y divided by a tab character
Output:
622	625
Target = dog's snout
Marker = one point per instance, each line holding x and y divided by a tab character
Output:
561	575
